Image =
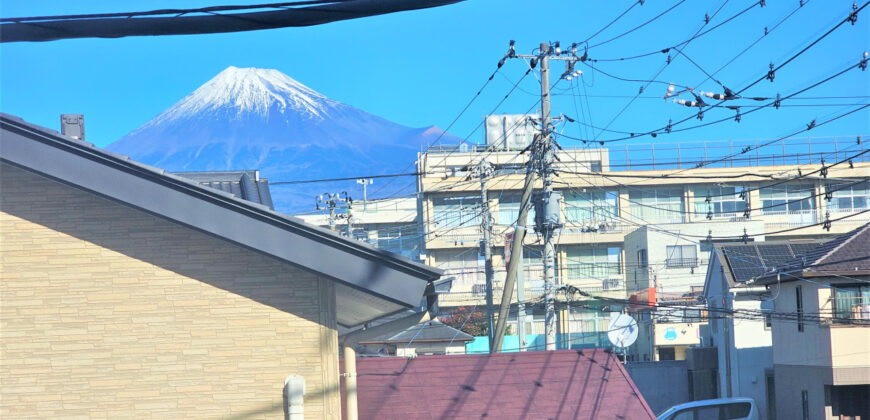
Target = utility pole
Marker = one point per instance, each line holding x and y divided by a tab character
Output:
547	204
365	183
327	200
333	201
547	174
483	170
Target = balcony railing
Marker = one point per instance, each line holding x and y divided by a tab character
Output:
681	262
597	270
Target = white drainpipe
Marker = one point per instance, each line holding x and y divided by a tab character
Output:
294	396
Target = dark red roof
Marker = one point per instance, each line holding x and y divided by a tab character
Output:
564	384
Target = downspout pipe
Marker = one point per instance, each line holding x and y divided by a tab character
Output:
348	343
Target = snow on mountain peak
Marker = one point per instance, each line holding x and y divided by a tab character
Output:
251	90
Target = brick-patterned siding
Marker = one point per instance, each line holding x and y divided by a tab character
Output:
110	312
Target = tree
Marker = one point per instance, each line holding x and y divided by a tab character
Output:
472	322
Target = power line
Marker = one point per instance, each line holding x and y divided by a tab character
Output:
177	12
350	178
767	74
135	24
585	41
696	36
455	119
639	26
513	88
669	61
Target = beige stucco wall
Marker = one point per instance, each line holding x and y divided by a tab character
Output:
109	312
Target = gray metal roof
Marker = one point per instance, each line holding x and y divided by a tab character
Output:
246	185
427	331
371	282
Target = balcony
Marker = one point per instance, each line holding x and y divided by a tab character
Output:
791	218
597	270
681	262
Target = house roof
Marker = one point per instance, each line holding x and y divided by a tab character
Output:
577	384
428	331
370	282
246	185
847	254
744	262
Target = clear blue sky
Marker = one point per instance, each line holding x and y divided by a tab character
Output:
420	68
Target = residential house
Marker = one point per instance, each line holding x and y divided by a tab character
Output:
744	366
821	330
672	260
427	338
129	292
247	185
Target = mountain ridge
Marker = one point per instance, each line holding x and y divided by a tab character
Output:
249	118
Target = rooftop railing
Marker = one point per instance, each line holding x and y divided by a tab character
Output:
717	154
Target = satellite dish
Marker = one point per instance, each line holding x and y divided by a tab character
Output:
622	331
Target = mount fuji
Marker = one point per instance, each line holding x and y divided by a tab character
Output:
249	118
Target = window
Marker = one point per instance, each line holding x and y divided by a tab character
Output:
593	207
641	258
510	168
467	268
593	263
478	290
402	240
509	210
786	197
682	256
851	303
718	202
799	307
456	211
657	205
849	198
805	404
693	315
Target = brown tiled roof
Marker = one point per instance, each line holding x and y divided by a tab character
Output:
565	384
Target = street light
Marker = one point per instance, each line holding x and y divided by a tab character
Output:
365	183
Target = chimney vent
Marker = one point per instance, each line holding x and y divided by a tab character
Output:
73	125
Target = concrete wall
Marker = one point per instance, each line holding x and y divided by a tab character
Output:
790	381
810	347
662	384
747	375
109	312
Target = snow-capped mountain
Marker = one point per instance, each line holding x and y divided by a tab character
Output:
249	118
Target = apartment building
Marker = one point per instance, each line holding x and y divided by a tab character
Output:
391	225
774	192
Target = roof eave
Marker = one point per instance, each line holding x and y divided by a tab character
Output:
252	226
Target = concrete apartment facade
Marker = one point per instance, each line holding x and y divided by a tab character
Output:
604	203
391	225
127	292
